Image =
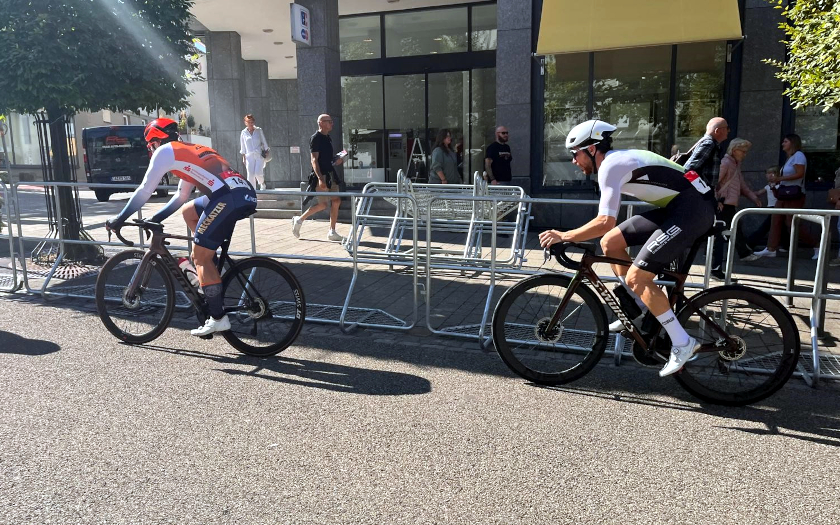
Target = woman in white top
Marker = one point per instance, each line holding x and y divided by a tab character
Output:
793	174
252	143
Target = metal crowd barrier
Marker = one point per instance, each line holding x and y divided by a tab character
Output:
818	294
347	317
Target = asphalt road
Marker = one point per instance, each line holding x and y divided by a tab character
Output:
380	428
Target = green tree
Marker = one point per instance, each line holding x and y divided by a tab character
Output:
812	38
66	56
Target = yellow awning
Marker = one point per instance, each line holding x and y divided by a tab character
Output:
570	26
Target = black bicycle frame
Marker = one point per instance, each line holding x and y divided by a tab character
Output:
157	248
586	273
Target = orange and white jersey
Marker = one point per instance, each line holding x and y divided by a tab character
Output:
197	166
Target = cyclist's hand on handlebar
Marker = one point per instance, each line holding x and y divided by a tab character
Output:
111	225
549	237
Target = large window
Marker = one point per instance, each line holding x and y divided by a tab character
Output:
631	89
820	133
360	37
435	70
699	95
426	32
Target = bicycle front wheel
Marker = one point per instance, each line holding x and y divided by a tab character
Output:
767	348
142	316
549	356
265	306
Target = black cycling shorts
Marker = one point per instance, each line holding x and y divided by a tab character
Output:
666	233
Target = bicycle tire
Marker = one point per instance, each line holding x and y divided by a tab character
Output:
286	307
765	360
154	312
533	354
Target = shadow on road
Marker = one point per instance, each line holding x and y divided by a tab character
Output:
14	344
795	411
315	374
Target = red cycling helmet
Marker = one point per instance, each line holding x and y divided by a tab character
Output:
162	129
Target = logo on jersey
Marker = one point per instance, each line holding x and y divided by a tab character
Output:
663	239
211	217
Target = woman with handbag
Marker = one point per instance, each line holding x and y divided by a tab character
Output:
790	194
255	152
730	187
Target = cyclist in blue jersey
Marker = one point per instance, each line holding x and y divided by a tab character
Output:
684	210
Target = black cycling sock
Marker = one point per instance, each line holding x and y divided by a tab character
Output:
215	301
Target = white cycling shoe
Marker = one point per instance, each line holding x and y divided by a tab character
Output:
212	326
680	355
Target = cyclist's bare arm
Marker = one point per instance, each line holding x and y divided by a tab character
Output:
593	229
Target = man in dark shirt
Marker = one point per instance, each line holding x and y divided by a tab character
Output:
323	162
497	159
705	158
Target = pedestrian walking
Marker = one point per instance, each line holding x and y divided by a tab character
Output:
730	187
254	149
497	159
444	160
790	194
323	178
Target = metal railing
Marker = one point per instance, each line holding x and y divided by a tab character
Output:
346	315
818	294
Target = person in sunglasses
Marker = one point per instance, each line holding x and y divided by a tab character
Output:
684	210
497	159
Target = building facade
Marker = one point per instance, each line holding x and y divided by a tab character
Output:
393	73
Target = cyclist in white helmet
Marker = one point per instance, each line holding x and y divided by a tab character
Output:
684	211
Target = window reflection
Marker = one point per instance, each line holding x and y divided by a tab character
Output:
699	95
566	96
360	38
362	129
631	92
426	32
483	36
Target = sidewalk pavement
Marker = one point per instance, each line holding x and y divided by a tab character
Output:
457	298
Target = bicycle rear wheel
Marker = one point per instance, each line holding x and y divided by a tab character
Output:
556	356
144	316
268	308
767	353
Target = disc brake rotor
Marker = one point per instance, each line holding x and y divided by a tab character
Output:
544	335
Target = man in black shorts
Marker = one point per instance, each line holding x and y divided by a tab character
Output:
684	211
323	163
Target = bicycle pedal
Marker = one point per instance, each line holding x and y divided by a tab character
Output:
208	336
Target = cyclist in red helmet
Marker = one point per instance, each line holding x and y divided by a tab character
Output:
227	197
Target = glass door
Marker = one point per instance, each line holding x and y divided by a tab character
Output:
405	126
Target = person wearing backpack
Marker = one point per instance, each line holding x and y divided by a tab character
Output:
705	155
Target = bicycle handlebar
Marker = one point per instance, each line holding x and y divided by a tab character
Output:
147	226
558	250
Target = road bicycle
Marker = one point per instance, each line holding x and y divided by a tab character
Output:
136	295
552	329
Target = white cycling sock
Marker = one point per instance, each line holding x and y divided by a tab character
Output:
635	297
678	335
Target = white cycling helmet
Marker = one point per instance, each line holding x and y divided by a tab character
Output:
588	133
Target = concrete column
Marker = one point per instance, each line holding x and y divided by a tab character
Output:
284	133
225	85
319	76
513	83
256	101
760	108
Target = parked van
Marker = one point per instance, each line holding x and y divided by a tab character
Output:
116	155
